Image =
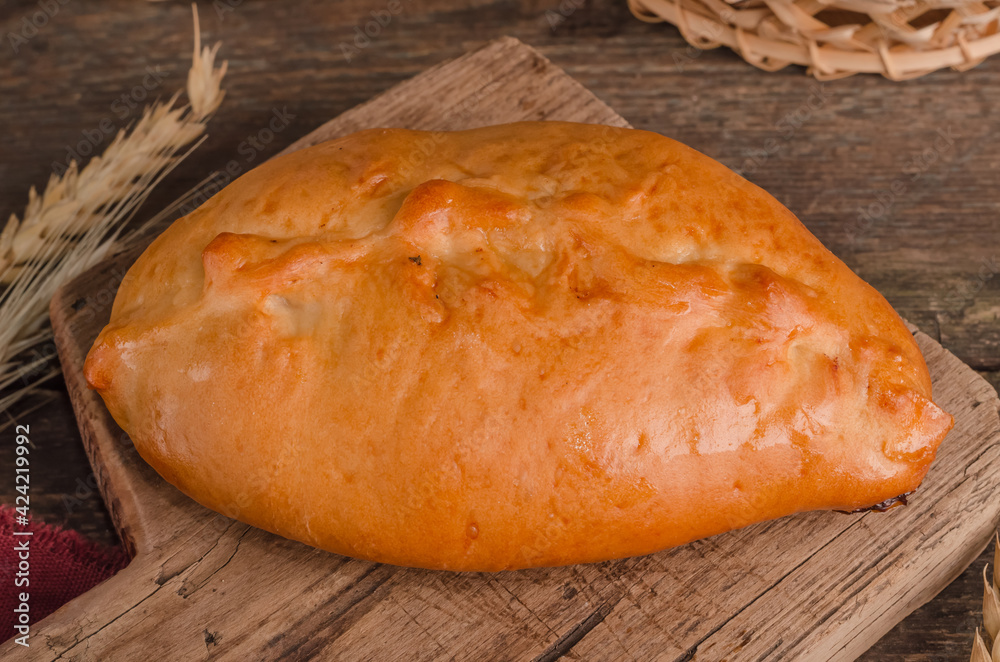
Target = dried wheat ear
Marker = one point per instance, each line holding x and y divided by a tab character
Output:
981	650
81	216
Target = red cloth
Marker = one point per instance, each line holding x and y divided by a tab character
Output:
62	564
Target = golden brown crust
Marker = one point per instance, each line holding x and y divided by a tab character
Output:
522	345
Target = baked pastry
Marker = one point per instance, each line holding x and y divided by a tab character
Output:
522	345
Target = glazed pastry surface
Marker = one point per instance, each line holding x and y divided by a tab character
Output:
522	345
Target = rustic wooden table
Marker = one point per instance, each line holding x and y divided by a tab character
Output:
898	179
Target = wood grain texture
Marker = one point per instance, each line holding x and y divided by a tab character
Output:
814	586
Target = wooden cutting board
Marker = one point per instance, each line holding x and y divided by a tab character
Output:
817	586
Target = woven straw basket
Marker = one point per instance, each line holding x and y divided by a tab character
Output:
899	39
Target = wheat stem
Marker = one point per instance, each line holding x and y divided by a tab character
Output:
981	652
81	217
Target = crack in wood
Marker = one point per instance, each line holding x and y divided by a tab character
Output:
414	620
573	636
526	608
87	638
976	459
159	585
187	594
165	577
341	616
567	641
614	634
693	650
888	606
859	586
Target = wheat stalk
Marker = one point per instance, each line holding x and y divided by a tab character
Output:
79	218
981	652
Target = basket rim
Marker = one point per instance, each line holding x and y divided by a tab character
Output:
825	61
